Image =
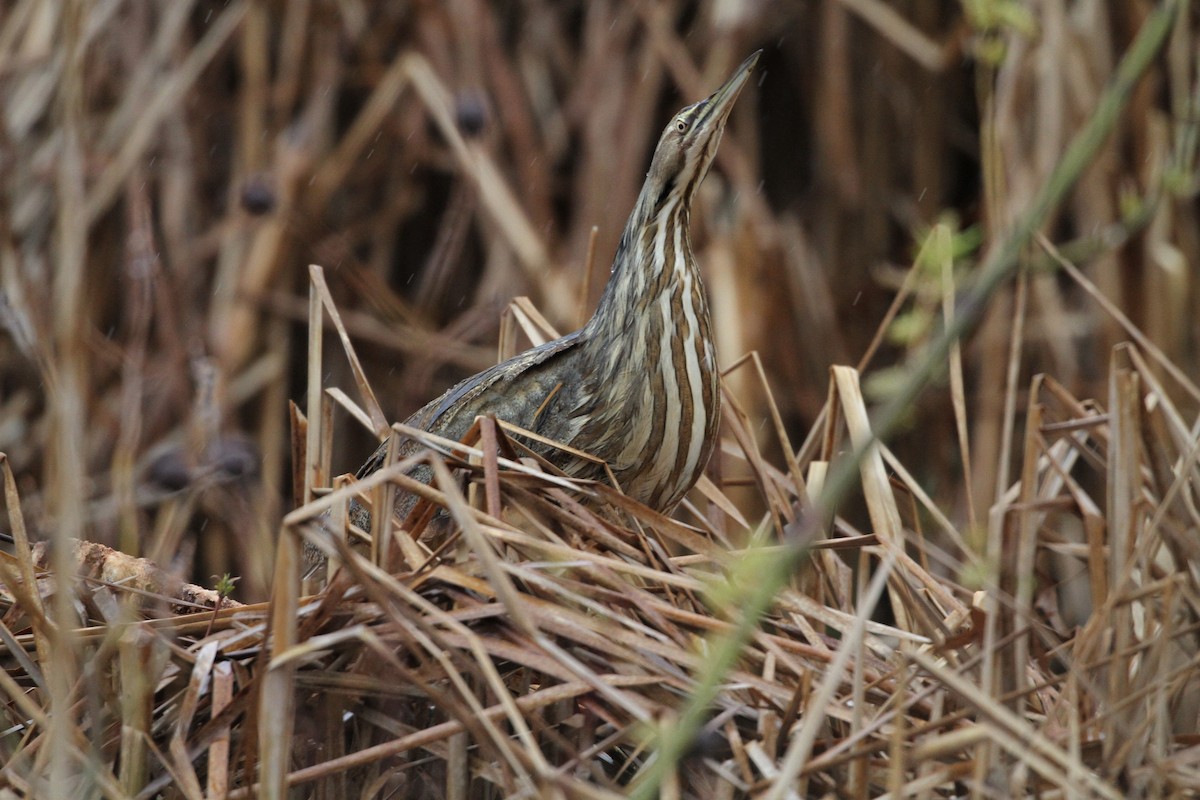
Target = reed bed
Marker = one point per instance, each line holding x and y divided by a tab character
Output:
962	567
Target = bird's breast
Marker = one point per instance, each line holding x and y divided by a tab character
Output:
654	402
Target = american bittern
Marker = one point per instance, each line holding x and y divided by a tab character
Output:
638	385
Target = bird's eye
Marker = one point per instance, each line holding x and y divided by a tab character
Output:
681	125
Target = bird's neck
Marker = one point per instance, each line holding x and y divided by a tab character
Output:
653	262
647	364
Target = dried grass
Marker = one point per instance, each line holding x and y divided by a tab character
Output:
1003	601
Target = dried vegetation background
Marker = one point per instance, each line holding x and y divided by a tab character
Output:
1005	602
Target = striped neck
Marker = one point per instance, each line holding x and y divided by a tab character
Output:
644	390
649	362
654	255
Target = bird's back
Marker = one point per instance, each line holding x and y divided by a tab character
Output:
515	391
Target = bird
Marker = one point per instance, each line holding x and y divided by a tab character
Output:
638	386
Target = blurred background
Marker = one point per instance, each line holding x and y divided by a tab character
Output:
170	170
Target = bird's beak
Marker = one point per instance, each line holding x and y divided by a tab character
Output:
718	106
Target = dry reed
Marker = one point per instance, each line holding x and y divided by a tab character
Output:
1003	603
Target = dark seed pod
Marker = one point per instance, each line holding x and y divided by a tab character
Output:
471	113
258	196
234	458
169	471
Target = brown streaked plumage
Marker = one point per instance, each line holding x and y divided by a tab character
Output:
638	385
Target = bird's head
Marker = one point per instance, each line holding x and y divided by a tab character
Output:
689	142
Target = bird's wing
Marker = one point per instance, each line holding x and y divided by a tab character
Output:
495	377
510	385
